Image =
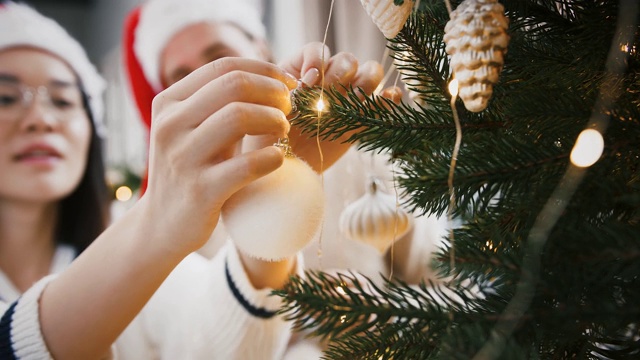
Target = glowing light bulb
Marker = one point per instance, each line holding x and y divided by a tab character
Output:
453	87
340	290
588	148
320	105
123	193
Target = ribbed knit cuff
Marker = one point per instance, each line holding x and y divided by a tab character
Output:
20	332
259	303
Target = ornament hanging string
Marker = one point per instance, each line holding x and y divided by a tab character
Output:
387	73
453	89
392	67
395	220
320	109
449	7
381	86
454	159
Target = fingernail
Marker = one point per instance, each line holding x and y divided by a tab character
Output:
291	81
311	77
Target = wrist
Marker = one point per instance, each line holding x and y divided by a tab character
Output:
150	237
267	274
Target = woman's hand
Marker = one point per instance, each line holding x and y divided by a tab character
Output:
194	167
198	126
340	69
310	65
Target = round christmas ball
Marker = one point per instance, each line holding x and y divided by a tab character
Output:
277	215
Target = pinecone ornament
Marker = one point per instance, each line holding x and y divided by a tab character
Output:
476	38
389	18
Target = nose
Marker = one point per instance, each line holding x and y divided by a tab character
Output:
38	115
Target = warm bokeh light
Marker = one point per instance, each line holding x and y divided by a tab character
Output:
453	87
320	105
588	148
123	193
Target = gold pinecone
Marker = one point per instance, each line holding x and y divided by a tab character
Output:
476	38
389	18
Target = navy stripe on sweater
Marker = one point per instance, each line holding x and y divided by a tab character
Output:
255	311
6	347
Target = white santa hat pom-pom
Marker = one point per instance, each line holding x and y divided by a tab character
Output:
278	215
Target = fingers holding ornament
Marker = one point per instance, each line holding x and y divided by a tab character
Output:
236	87
392	93
228	127
201	77
309	63
368	78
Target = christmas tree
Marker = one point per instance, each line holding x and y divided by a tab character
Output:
546	261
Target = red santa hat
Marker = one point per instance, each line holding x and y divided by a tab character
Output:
21	25
149	27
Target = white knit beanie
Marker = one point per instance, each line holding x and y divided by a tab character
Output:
160	20
21	25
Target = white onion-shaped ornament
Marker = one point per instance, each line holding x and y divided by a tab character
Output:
375	219
277	215
387	16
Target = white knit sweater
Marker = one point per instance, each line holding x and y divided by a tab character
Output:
195	315
206	309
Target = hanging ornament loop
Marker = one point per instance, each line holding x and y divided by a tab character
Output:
374	184
283	143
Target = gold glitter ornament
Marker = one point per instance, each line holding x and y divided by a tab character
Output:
477	39
375	218
387	16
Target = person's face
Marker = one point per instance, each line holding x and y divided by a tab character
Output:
44	129
202	43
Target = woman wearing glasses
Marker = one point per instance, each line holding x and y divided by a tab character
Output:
53	198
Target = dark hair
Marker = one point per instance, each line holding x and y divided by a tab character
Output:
84	214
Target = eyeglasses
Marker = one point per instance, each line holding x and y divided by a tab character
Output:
63	101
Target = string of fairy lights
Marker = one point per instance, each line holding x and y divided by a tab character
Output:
587	150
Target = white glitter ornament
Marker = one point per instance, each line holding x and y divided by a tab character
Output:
277	215
375	219
389	18
477	39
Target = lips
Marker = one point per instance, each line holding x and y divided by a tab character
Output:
38	152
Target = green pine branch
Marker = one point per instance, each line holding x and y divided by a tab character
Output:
512	157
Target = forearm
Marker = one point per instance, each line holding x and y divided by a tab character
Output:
89	305
212	306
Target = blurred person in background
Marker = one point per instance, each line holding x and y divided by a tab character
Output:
65	295
166	40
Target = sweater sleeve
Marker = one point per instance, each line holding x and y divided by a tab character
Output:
20	332
209	309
